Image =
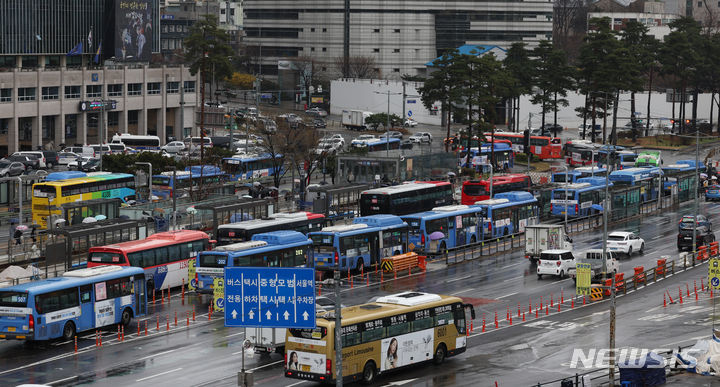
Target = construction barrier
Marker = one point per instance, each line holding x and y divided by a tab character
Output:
400	262
639	276
713	249
660	269
596	293
702	253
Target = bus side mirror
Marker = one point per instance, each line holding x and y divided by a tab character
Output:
472	310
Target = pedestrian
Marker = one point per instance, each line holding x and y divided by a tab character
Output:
17	236
32	233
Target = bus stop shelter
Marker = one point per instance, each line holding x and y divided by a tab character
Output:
75	212
625	201
337	202
70	245
395	164
236	210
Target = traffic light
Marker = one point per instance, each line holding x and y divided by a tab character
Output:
526	141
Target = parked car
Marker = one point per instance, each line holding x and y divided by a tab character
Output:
51	158
421	137
118	148
625	242
174	147
319	123
105	149
392	134
91	165
80	150
410	123
40	156
316	111
325	148
30	162
555	262
77	164
11	168
553	128
64	158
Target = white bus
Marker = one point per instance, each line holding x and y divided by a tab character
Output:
138	142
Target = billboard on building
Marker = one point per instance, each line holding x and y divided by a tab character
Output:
133	30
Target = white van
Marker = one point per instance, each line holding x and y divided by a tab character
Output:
555	262
80	150
193	143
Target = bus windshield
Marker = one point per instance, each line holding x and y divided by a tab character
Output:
559	194
44	191
213	260
106	257
559	177
475	190
323	244
9	298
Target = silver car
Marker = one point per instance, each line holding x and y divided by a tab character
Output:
174	147
11	168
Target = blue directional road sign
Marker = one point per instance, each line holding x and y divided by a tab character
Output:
270	297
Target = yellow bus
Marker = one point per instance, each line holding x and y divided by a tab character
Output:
393	332
48	196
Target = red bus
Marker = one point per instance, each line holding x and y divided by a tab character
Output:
164	256
579	152
543	147
477	190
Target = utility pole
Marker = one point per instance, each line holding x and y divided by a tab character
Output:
387	118
606	206
695	202
100	130
338	331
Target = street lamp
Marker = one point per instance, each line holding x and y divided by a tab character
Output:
149	178
174	198
338	327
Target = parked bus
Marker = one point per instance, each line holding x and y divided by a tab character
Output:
508	213
504	157
303	222
593	171
578	173
406	198
562	177
271	249
578	198
164	256
79	301
541	146
623	159
361	244
458	225
579	152
138	142
192	177
249	168
648	178
648	159
53	194
394	332
476	190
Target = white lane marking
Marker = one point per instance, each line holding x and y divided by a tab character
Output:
160	374
401	382
507	295
267	365
686	340
557	282
459	279
157	354
466	290
295	384
513	279
656	237
235	334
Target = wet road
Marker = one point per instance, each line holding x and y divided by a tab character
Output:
206	353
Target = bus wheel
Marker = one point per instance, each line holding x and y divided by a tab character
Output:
126	317
69	331
369	373
439	354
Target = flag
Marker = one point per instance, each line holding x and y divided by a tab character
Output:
90	39
97	54
77	50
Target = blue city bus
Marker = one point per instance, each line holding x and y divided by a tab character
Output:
623	159
80	300
458	225
250	168
193	176
361	244
508	213
271	249
648	178
65	175
480	160
559	177
701	167
382	143
578	198
591	172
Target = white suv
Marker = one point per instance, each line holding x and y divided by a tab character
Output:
555	262
625	242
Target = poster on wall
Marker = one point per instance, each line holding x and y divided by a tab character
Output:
133	30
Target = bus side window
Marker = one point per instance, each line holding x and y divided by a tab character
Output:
161	255
174	252
85	293
135	259
148	258
185	251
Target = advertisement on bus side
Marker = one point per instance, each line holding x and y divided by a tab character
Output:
407	349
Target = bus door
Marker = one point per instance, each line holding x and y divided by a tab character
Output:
460	232
452	239
374	242
140	299
86	309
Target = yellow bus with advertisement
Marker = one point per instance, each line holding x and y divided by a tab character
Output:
396	331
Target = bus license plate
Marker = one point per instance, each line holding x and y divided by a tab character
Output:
11	329
305	368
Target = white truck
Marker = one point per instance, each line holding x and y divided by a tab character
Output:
541	237
355	119
594	258
266	340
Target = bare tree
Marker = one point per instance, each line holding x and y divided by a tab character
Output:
290	147
363	67
569	24
306	67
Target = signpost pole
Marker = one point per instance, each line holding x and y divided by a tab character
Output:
338	332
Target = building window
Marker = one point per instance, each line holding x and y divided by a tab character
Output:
93	91
324	49
396	70
324	29
312	49
376	50
164	29
312	30
26	94
72	92
700	4
6	95
189	86
153	88
50	92
115	90
376	30
324	69
396	50
132	117
134	88
172	88
164	44
113	118
397	30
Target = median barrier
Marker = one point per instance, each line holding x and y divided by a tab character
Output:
639	276
400	262
713	249
660	269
